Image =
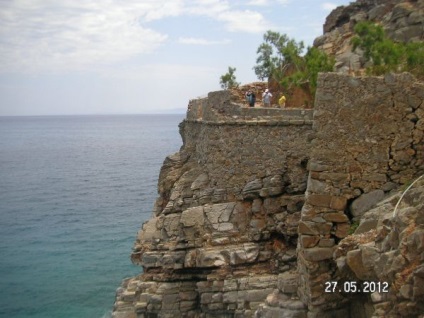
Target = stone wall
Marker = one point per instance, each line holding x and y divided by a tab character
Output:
225	223
225	106
369	141
254	210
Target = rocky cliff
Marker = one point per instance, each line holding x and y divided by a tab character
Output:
254	211
403	21
225	223
294	212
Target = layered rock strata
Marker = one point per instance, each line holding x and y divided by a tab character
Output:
390	254
224	230
369	141
403	21
254	212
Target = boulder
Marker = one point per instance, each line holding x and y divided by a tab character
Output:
365	202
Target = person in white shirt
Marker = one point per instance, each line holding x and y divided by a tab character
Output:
266	98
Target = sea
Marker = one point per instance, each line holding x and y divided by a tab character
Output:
74	191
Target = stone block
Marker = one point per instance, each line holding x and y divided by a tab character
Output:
312	228
288	282
316	186
252	189
334	176
200	182
366	225
370	254
406	291
338	203
171	224
247	253
216	298
150	231
193	217
168	288
206	298
230	297
318	166
307	228
342	230
321	200
354	261
187	305
218	213
308	240
210	258
257	295
224	227
150	259
171	302
326	242
316	254
257	224
336	217
256	206
365	202
188	295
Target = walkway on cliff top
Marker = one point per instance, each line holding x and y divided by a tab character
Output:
222	108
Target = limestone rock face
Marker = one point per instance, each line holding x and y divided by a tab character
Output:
403	21
254	212
390	255
225	223
368	144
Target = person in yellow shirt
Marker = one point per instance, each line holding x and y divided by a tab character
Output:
282	101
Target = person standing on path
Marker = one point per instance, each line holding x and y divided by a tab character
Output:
282	101
251	98
266	98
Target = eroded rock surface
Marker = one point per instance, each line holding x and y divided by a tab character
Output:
390	255
224	227
403	21
254	212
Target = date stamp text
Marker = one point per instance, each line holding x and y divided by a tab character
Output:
356	287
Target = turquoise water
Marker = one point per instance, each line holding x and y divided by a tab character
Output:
74	190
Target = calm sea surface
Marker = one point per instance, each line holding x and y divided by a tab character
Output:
74	190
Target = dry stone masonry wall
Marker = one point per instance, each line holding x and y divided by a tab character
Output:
254	210
369	141
225	223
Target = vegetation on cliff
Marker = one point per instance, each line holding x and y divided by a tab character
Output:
228	80
280	59
384	55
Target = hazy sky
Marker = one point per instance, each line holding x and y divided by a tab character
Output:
136	56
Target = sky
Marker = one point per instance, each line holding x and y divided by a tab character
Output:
77	57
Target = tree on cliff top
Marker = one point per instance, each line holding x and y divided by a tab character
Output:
280	59
228	80
386	55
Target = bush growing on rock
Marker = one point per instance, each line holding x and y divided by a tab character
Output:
280	59
386	55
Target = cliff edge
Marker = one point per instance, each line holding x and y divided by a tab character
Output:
295	213
255	209
225	223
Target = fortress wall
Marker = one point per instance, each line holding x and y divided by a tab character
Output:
369	141
225	223
252	207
